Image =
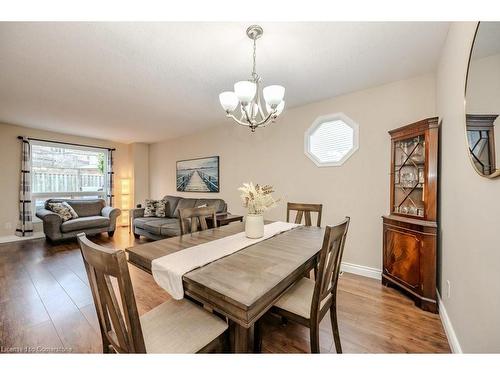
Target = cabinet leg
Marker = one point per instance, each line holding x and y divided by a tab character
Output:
427	305
385	282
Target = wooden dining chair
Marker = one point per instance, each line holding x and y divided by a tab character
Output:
172	327
194	219
307	301
304	210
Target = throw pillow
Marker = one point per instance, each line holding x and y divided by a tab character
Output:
72	211
61	210
161	208
150	210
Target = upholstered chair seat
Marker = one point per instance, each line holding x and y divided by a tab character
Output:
179	327
298	298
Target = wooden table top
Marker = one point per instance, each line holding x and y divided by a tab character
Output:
143	255
246	275
246	283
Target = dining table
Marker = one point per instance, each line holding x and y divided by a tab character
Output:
244	285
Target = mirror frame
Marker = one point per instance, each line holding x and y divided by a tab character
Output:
497	171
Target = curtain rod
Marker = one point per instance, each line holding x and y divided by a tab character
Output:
67	143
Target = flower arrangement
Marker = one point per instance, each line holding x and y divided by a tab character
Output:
256	198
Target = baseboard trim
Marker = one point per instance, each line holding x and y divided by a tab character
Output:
448	328
357	269
14	238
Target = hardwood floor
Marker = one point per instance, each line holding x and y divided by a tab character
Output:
46	306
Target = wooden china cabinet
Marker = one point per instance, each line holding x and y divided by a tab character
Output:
411	229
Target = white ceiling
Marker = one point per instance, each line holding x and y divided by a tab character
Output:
144	82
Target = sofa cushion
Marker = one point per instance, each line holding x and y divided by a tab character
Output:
61	210
87	222
83	207
184	203
150	210
172	204
73	213
140	221
161	208
218	204
172	229
156	226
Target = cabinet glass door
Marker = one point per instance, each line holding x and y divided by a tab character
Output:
409	176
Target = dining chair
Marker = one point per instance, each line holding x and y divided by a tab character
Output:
190	217
304	210
172	327
308	301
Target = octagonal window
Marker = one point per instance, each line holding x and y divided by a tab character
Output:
331	140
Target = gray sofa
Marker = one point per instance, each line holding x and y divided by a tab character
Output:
157	228
93	217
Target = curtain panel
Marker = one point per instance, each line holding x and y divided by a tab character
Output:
110	179
25	223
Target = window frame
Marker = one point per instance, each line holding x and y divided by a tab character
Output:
339	116
71	194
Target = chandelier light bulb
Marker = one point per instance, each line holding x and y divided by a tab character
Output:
279	108
273	95
228	100
251	109
245	91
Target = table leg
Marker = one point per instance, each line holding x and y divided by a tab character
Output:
242	338
257	337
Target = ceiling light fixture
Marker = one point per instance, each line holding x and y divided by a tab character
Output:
247	96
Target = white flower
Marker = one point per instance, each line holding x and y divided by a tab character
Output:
257	199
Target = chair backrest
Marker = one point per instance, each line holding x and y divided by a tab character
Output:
190	217
304	210
120	327
330	258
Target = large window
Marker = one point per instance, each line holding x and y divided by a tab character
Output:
63	171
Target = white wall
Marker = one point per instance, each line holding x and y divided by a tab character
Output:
470	247
274	155
140	174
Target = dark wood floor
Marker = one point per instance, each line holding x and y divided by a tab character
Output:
46	305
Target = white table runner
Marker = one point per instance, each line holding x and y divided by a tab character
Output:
169	269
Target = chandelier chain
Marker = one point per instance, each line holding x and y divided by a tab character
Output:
254	72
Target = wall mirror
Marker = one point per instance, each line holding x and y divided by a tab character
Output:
482	100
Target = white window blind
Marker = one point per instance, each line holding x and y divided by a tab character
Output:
331	140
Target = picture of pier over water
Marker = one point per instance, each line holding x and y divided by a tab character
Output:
198	175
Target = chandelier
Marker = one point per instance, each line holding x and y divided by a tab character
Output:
244	104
